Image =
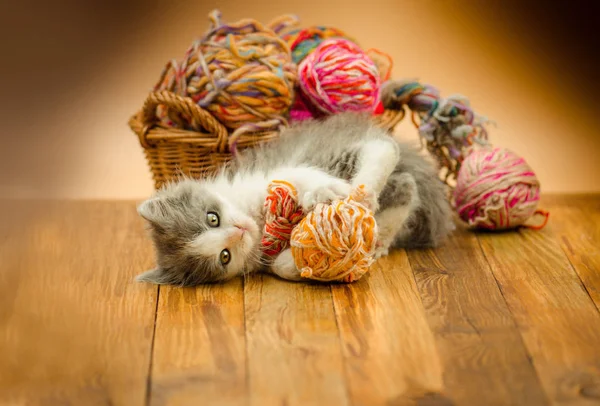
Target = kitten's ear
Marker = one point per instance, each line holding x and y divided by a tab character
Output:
152	210
155	276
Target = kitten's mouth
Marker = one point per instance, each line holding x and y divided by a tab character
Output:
249	229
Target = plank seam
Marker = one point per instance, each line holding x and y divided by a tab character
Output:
341	342
149	379
514	320
581	283
246	360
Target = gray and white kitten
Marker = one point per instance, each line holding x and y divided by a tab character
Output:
210	230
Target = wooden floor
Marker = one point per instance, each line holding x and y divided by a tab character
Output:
487	319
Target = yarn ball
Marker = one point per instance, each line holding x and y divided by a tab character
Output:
302	109
336	242
242	73
496	190
304	41
338	76
282	213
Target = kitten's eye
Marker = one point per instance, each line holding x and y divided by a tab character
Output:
213	219
225	257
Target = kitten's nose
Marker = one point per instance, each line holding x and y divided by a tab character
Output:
236	235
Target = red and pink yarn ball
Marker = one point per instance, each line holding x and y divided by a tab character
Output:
497	190
336	76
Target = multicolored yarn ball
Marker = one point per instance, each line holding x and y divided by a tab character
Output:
241	72
303	41
282	213
338	76
333	242
448	126
497	190
337	241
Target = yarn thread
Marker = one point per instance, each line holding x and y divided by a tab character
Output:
242	73
337	241
282	213
448	126
497	190
303	41
338	76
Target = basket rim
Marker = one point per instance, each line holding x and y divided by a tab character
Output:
151	133
155	135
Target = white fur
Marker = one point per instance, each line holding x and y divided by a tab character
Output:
391	221
313	185
386	155
284	266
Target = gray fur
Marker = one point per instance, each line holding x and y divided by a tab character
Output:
431	220
175	217
332	145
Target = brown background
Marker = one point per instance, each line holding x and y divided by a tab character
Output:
73	72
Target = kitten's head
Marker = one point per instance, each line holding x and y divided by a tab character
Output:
199	236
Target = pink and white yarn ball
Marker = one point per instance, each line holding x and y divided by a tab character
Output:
339	76
496	190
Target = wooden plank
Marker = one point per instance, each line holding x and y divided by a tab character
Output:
388	347
575	222
556	317
483	356
293	344
199	347
74	327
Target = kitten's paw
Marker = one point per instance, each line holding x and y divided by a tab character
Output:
326	193
371	199
381	250
284	266
407	189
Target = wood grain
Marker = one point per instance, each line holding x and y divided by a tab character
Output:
199	348
473	322
478	341
575	223
556	317
388	347
293	344
74	327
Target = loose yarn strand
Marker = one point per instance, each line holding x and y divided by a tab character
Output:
386	66
282	23
540	226
447	127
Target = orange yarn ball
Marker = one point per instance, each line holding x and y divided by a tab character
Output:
336	242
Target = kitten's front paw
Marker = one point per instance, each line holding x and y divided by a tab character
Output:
333	190
284	266
381	250
371	199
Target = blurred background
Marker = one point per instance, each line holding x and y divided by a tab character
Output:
73	72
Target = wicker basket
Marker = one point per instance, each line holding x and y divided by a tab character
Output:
171	152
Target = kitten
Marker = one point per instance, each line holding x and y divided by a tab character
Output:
210	230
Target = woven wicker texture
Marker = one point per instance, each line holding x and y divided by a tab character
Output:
174	152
